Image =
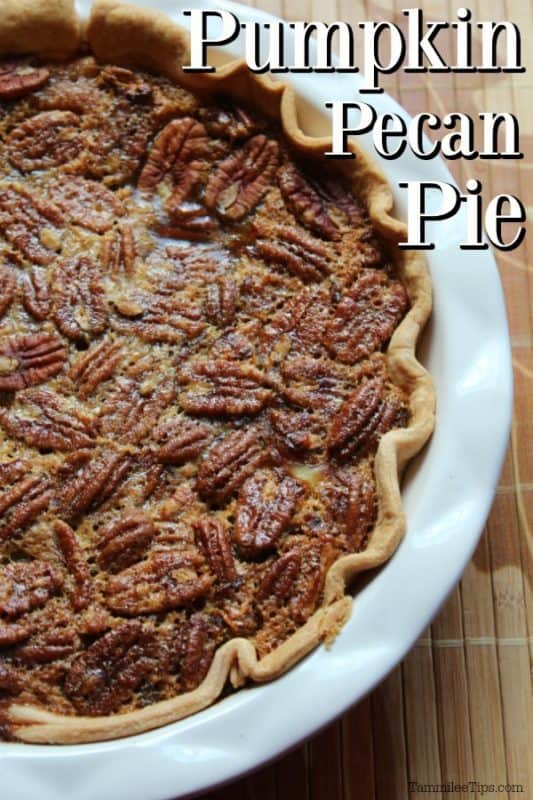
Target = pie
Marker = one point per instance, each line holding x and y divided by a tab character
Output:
208	385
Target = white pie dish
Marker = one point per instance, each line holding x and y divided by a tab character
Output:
447	496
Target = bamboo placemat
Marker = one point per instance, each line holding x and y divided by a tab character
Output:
460	707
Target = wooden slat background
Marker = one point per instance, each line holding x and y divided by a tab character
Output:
460	707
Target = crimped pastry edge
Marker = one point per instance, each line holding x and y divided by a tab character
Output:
124	34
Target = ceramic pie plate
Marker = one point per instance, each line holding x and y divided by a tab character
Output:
447	495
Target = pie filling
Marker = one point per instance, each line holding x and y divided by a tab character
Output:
193	384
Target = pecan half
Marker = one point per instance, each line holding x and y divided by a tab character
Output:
12	633
29	223
315	383
86	203
93	483
177	152
295	580
79	307
19	80
23	502
323	206
8	284
46	140
265	508
159	318
366	317
360	511
77	566
181	440
130	412
280	578
119	251
228	463
212	535
222	301
198	644
52	426
167	580
51	645
243	178
10	681
229	121
35	294
362	419
104	677
296	251
96	366
30	359
223	387
126	83
124	541
26	585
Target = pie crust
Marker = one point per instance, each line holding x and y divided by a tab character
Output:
121	34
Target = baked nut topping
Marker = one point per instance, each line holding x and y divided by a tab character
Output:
194	384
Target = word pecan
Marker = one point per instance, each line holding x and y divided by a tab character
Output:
212	536
35	294
197	647
265	508
228	121
86	203
366	317
8	284
119	251
96	366
48	139
167	580
26	585
22	502
91	480
76	563
49	646
30	359
242	179
181	440
221	303
79	307
322	206
130	412
51	425
104	677
124	541
228	463
177	152
29	223
296	251
159	318
18	80
362	419
223	387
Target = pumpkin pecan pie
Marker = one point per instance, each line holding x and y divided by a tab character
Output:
207	377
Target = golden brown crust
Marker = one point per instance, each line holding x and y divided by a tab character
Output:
124	34
147	33
47	28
